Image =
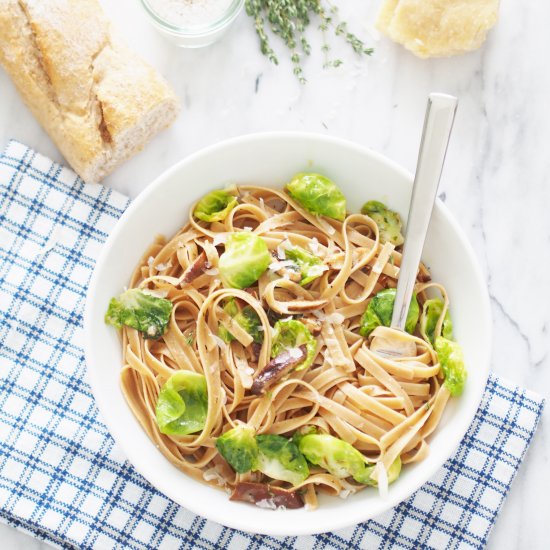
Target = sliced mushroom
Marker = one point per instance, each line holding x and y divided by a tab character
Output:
196	269
256	350
277	368
266	496
314	325
423	274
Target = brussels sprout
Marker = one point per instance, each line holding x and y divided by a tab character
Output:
388	222
245	258
231	308
250	321
215	206
280	458
144	312
380	310
289	333
393	472
318	195
336	456
182	404
431	312
247	318
451	360
299	434
239	447
310	266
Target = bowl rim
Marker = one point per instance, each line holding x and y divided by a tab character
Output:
238	521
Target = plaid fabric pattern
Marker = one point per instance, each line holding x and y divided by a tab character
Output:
62	478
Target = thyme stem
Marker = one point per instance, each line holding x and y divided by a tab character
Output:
289	20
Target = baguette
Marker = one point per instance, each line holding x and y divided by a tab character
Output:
99	102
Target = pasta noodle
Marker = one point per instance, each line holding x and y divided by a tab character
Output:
385	405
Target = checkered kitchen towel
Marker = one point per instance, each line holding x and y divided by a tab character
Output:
63	479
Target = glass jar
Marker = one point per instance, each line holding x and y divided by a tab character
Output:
193	35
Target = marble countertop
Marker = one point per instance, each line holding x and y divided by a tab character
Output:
494	182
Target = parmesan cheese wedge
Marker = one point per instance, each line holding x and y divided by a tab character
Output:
437	28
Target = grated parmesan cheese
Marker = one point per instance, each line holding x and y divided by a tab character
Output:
335	318
213	475
275	266
313	245
283	246
266	503
221	344
164	266
220	238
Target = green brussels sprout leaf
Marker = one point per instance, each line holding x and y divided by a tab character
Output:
239	448
318	195
247	318
231	308
245	259
388	222
302	432
336	456
431	312
215	206
393	473
280	458
451	360
310	266
380	309
289	333
182	404
135	308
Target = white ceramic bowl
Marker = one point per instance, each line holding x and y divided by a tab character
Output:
271	159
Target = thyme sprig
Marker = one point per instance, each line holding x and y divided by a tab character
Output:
289	19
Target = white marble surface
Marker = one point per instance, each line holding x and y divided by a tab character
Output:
495	181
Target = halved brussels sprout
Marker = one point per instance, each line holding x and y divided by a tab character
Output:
388	222
336	456
393	472
147	313
380	310
289	333
431	312
300	433
182	404
451	360
215	206
239	448
318	195
245	259
280	458
310	266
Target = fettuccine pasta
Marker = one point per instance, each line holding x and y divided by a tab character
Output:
383	393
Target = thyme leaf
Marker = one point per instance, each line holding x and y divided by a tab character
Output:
289	20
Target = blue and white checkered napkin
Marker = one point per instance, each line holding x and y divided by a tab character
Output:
63	479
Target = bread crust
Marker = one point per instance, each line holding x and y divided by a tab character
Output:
98	101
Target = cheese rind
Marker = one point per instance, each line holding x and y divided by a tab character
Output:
437	28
